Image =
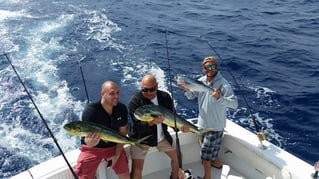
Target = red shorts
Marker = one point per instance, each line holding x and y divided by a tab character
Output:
90	158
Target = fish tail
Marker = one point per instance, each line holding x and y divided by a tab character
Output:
142	139
142	146
200	138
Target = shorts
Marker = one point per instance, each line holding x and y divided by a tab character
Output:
90	158
211	144
162	146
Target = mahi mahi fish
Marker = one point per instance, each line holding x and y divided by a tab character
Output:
149	112
192	84
84	128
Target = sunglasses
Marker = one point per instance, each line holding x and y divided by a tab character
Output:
210	67
149	89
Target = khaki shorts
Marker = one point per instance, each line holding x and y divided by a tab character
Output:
162	146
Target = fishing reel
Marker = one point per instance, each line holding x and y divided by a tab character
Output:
261	137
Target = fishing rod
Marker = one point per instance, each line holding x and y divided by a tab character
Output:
44	122
179	154
260	136
86	91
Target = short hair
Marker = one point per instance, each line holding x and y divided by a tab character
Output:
209	59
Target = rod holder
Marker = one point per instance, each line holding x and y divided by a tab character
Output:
261	138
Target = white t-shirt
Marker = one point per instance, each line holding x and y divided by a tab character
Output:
160	133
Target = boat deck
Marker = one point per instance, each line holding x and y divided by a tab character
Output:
196	169
191	160
157	166
197	172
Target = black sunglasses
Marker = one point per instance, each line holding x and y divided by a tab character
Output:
210	67
149	89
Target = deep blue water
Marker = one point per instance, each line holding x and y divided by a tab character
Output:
270	47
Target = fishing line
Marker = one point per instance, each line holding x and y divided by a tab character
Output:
179	155
44	122
259	135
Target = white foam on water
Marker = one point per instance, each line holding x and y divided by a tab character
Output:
50	93
12	2
6	45
135	69
99	27
5	14
40	73
264	96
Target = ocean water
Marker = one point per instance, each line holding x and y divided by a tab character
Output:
269	51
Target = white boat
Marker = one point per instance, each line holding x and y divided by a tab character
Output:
241	155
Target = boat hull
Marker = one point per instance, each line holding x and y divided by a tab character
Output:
240	151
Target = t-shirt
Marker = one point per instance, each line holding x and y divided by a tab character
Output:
160	132
94	112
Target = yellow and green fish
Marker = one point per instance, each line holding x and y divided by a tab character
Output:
149	112
84	128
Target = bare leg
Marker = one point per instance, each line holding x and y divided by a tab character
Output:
216	162
124	176
207	169
137	167
174	163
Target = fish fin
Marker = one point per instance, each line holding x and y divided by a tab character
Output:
142	139
200	139
142	146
